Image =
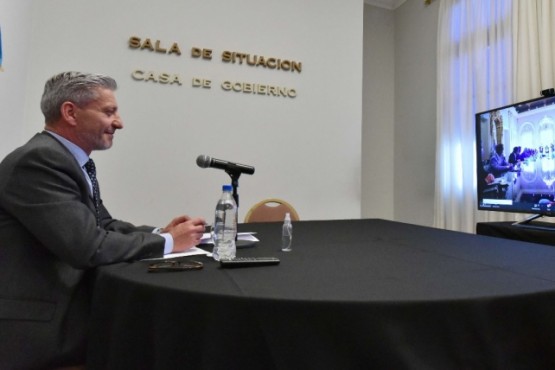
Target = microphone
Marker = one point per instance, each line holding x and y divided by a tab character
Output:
204	161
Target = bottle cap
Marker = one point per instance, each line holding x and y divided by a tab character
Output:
227	188
287	217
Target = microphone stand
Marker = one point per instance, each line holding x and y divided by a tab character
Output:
235	184
235	174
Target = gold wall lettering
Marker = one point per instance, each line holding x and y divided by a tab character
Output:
137	43
261	61
204	53
202	82
151	76
229	57
260	89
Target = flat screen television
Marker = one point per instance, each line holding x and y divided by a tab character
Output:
515	147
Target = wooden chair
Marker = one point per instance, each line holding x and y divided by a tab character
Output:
271	210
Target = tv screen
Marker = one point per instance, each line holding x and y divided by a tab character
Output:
515	147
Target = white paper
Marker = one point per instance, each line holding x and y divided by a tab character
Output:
207	237
189	252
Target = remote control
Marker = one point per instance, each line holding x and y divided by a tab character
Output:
248	261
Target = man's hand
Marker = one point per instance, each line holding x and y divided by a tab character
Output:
186	232
176	221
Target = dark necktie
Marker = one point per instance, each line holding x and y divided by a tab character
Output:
91	171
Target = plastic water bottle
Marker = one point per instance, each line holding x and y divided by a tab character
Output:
225	226
287	233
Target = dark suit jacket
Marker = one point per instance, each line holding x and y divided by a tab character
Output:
49	243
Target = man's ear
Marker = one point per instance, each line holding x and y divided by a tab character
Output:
68	111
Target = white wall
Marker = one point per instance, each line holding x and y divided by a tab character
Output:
378	110
399	112
398	137
304	149
415	111
14	23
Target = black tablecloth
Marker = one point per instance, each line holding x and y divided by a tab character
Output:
353	294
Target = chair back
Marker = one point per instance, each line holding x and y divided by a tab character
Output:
271	210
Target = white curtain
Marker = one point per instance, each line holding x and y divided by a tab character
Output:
534	47
474	74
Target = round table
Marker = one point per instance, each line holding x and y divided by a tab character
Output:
353	294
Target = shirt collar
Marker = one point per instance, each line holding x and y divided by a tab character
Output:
80	156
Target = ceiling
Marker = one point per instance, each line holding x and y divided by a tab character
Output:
387	4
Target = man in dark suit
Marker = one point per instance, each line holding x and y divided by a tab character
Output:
514	157
498	165
54	228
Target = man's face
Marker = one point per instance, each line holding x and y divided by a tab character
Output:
98	121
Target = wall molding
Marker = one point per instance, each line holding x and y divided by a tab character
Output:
387	4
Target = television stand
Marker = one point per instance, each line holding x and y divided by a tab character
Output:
527	223
540	232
